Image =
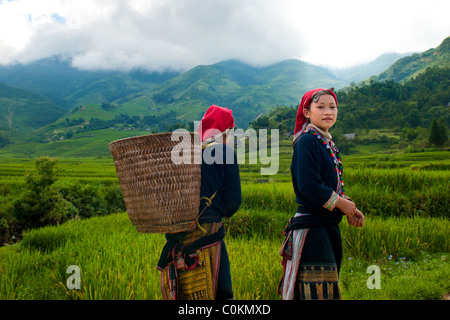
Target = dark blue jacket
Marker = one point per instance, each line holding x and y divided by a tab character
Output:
223	178
313	176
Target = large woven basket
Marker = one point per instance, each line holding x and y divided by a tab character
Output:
160	195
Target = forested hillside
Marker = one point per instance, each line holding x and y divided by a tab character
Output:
57	80
22	112
405	110
410	66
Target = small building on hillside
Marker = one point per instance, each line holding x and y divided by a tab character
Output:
350	136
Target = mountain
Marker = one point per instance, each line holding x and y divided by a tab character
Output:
24	111
57	80
78	112
361	72
248	91
104	106
409	67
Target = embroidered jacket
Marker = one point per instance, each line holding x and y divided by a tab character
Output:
314	177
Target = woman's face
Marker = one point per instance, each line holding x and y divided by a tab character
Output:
322	113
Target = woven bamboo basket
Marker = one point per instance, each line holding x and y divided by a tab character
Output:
160	196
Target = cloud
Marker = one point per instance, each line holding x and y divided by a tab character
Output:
342	33
156	34
174	34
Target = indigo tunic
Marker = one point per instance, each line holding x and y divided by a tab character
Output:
314	177
220	175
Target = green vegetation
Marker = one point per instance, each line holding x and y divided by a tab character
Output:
384	115
409	67
404	196
391	105
118	263
41	204
48	195
58	213
438	133
23	112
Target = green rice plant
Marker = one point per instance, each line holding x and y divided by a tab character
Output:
425	278
397	237
262	223
429	161
403	191
277	196
400	237
116	262
376	192
386	201
397	179
24	275
406	218
255	267
45	239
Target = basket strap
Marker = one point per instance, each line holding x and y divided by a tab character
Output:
207	204
208	200
209	144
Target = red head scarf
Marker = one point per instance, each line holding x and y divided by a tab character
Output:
306	100
215	120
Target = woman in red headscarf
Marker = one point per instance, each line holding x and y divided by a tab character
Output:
198	267
312	251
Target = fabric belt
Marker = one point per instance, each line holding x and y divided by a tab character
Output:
311	221
174	246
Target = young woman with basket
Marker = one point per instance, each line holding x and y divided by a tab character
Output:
195	264
312	251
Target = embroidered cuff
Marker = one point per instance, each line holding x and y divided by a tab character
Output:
348	198
332	202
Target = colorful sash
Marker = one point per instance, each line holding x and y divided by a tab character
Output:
190	265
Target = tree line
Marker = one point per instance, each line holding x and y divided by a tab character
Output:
387	104
415	109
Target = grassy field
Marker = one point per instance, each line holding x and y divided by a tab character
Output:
405	199
118	263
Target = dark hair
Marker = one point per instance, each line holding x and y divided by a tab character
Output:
316	96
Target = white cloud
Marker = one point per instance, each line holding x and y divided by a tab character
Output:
347	32
159	34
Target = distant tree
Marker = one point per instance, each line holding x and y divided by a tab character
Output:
4	141
413	118
409	133
42	204
434	137
107	106
443	132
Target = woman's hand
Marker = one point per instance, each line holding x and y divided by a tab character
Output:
356	220
355	217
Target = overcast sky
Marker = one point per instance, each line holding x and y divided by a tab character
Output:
180	34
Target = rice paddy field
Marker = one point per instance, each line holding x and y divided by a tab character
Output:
405	198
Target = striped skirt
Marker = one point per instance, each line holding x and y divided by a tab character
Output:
311	262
